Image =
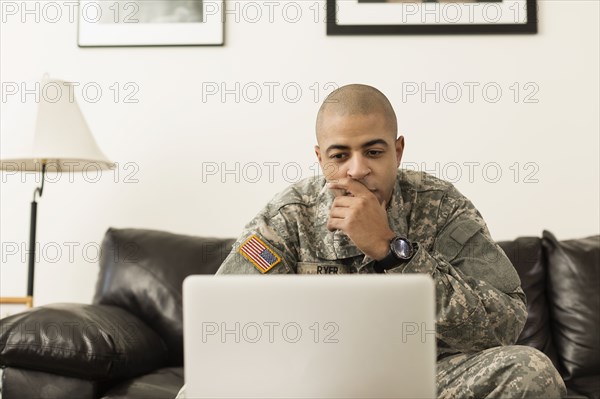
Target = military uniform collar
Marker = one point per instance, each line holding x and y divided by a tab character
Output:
399	207
330	245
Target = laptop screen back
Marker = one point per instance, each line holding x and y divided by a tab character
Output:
339	336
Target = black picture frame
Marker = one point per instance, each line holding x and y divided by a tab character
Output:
530	26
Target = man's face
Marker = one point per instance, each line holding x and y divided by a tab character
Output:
362	148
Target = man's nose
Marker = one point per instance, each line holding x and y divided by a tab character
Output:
358	168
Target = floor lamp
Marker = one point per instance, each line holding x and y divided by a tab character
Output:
62	143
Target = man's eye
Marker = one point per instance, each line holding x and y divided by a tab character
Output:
338	157
374	153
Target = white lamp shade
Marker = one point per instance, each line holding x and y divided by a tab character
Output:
62	137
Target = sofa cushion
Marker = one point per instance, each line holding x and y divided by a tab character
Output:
526	255
83	341
143	271
20	383
574	278
161	383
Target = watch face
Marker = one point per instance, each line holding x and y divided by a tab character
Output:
402	248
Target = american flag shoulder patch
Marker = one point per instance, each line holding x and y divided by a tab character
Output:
259	254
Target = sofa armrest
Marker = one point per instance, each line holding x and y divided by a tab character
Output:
95	342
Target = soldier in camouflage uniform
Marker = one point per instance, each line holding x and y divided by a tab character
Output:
343	223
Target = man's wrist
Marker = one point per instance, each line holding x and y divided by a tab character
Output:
384	247
401	251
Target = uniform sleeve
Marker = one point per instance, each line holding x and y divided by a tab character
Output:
479	300
266	246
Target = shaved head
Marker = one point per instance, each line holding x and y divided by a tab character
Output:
357	99
357	138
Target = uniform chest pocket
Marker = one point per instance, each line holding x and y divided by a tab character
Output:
322	268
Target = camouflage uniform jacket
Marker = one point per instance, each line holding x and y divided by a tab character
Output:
479	300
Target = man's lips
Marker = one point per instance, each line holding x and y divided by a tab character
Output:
342	192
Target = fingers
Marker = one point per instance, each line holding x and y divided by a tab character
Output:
352	186
338	192
337	217
339	212
335	224
343	202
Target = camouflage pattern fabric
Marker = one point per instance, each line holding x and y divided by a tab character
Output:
500	372
479	301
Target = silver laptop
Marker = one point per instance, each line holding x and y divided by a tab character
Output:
303	336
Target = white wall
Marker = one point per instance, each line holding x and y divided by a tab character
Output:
171	131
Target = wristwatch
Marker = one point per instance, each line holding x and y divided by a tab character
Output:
401	251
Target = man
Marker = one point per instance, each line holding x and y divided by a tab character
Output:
365	215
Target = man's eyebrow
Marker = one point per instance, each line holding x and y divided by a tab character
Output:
337	147
376	141
365	145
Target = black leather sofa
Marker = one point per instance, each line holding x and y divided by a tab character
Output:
129	342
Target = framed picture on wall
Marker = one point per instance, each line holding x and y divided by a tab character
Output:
150	23
396	17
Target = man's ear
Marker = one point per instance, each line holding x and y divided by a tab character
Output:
399	149
318	154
